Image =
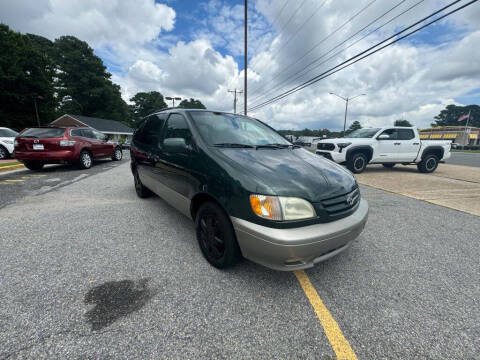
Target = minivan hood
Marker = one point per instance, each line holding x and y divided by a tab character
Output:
293	172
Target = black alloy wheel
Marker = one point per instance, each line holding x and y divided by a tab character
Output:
216	237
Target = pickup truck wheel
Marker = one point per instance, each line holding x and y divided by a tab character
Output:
140	189
3	153
388	165
428	164
216	237
357	163
33	165
85	159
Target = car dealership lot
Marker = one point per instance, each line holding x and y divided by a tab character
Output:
91	271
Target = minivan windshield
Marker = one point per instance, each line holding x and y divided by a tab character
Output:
229	130
363	133
43	132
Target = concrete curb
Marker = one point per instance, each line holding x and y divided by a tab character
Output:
11	167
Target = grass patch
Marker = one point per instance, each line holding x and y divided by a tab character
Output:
467	151
10	163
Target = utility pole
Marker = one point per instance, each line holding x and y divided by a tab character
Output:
36	107
346	99
235	92
245	65
173	99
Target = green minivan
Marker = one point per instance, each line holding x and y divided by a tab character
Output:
250	192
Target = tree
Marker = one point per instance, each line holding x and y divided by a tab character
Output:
191	104
82	83
146	103
355	126
26	74
449	116
402	122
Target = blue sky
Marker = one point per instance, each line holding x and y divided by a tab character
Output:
195	49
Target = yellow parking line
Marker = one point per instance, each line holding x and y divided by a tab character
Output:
14	180
339	344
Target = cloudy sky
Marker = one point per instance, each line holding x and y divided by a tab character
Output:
193	48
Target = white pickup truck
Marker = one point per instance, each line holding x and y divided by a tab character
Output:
387	146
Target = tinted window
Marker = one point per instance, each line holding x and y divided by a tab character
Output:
405	134
98	135
177	128
392	133
151	130
88	133
76	132
7	133
44	132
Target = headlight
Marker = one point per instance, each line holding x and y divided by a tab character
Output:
281	208
341	146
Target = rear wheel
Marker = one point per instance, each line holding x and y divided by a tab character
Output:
3	153
387	165
216	237
140	189
33	165
85	159
428	164
357	163
117	155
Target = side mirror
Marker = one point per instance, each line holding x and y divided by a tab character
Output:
383	137
176	145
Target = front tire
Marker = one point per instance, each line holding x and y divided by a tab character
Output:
33	165
388	166
357	163
216	237
117	154
429	164
3	153
85	159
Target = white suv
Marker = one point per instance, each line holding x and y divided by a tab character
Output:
7	139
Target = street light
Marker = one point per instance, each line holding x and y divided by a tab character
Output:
173	99
346	99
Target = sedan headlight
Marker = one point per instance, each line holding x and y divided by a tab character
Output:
281	208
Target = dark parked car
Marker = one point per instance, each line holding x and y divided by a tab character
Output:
36	147
249	190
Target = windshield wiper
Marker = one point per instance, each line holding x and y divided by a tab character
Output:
276	146
234	145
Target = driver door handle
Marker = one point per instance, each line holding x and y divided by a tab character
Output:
396	143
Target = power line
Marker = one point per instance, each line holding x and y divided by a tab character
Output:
305	69
319	43
342	65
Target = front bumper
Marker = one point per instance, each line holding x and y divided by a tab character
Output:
298	248
338	157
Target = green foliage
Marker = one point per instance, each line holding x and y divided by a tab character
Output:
449	116
402	122
191	104
355	126
146	103
26	73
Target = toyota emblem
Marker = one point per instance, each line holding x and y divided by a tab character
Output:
349	200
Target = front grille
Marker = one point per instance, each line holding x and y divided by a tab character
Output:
340	204
326	146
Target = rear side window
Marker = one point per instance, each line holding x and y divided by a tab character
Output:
76	132
177	128
88	133
150	132
44	132
405	134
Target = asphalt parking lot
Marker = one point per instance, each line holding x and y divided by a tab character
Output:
464	158
91	271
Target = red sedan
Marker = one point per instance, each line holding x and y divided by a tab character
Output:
36	147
